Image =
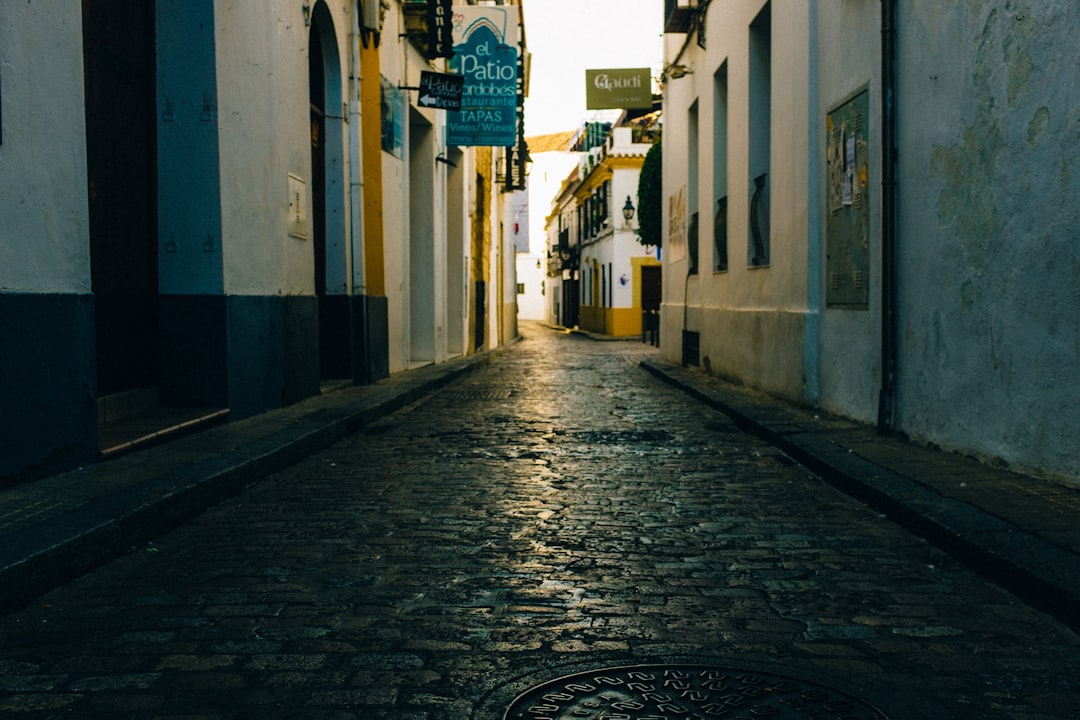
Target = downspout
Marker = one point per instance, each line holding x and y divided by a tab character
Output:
356	199
887	397
812	331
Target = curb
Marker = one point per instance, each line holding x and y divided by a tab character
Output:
179	480
1038	572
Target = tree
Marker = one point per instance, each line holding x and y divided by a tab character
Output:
650	198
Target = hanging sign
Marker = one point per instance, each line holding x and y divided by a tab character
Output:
441	38
486	54
618	88
440	90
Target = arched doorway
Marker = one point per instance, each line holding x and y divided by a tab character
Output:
328	197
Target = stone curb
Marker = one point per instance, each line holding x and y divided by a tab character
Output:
174	482
1040	573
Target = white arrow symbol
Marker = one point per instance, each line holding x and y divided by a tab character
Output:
427	100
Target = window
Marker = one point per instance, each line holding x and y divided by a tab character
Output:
760	129
692	190
692	236
720	157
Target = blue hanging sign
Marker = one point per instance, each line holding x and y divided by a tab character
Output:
486	55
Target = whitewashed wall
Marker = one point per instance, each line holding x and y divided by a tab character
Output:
44	223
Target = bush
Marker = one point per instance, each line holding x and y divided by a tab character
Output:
650	198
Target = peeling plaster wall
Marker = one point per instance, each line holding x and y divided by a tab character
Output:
989	266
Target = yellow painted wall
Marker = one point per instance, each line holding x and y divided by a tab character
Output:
371	143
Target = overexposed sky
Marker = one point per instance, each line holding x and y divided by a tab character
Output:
566	37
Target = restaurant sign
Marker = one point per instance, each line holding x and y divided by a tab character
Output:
486	54
624	88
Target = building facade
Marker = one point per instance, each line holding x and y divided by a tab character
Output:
602	278
234	206
869	208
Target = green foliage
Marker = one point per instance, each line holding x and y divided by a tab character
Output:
650	198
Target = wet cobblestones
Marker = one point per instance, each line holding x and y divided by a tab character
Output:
557	511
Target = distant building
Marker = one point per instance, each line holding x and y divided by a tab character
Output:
551	159
601	276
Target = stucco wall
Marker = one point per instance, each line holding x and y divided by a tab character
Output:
47	365
846	59
265	134
989	264
44	222
749	318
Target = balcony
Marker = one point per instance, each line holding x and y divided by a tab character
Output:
679	15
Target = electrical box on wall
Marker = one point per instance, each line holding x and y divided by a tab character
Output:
848	224
297	207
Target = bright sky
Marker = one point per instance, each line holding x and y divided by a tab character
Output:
566	37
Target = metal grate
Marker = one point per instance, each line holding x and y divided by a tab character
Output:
478	394
675	692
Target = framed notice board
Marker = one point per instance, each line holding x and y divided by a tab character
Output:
848	224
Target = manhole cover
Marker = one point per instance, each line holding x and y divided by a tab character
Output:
685	692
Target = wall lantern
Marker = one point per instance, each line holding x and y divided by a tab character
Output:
628	210
307	14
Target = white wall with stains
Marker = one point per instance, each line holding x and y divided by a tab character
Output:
989	123
988	217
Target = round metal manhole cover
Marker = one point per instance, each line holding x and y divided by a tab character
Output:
686	692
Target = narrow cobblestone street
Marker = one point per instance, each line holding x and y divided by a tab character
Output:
557	511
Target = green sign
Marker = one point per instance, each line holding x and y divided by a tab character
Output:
620	88
486	55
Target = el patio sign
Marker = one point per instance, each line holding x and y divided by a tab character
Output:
618	88
440	90
486	54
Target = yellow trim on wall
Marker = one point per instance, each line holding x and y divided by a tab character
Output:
371	143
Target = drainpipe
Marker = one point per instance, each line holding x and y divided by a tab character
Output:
356	199
812	339
887	397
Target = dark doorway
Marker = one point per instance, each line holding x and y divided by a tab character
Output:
650	288
317	85
327	231
571	301
481	314
119	58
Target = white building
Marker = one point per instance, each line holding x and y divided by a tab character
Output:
551	160
601	275
233	206
936	295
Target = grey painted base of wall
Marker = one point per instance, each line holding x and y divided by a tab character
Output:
246	353
48	383
353	339
372	360
192	344
273	353
249	354
335	336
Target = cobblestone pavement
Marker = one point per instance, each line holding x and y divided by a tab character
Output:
557	511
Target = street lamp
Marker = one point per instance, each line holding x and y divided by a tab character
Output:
628	211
